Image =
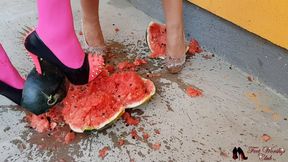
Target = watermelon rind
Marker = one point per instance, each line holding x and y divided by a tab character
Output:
108	121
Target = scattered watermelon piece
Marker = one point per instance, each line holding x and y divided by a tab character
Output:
145	136
69	137
80	33
139	62
39	123
110	68
121	142
194	47
103	152
134	134
266	137
193	92
156	146
126	65
157	131
130	120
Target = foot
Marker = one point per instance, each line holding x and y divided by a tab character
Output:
93	36
176	49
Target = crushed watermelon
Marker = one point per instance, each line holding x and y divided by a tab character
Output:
126	65
89	106
194	47
103	152
70	136
139	62
121	142
145	136
134	134
156	146
193	92
130	120
39	123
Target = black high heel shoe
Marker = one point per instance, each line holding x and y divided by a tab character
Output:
92	65
40	92
241	154
11	93
235	151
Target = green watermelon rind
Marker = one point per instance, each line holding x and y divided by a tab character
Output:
101	126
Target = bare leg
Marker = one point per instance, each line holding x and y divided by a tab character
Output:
91	25
175	28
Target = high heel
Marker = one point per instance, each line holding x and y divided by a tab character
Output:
93	50
91	67
241	154
175	65
235	151
11	93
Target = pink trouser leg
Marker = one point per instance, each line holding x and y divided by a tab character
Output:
55	28
8	73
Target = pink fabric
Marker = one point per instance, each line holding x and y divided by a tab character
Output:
56	29
8	73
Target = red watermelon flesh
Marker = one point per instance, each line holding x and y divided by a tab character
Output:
156	40
103	100
131	89
93	110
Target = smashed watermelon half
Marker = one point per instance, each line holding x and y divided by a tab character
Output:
156	40
102	101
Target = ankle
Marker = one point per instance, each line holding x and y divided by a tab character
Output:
176	47
93	34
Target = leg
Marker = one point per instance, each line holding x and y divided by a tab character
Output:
175	35
11	83
175	28
56	29
9	74
56	43
91	25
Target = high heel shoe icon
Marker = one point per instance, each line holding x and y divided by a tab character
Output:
239	151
